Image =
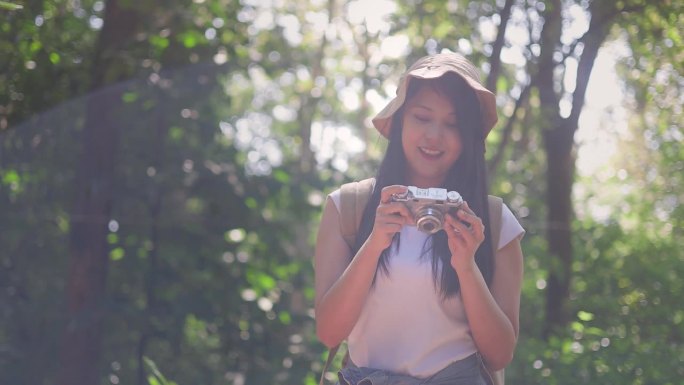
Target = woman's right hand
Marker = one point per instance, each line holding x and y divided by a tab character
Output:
390	217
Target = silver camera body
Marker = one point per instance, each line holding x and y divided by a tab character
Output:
429	206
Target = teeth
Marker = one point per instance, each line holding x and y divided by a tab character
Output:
430	152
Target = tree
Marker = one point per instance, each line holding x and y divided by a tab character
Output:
95	185
203	248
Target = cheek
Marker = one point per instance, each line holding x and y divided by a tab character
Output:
454	143
409	134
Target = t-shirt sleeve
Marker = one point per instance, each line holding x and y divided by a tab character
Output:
510	227
335	197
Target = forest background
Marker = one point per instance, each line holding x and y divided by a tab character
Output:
163	167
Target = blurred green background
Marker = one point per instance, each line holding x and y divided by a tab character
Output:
163	166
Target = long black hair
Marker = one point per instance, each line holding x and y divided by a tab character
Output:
467	176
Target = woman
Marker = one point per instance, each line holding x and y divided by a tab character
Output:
411	305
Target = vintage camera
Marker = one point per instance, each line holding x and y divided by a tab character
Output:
429	205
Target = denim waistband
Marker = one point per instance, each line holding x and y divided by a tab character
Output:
461	372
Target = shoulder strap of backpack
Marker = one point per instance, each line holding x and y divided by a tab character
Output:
354	197
495	206
495	213
331	355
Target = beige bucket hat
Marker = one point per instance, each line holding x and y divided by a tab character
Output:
434	66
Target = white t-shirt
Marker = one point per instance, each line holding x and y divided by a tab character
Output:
405	326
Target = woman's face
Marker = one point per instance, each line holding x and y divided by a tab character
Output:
430	138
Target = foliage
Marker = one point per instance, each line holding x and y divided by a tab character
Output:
210	277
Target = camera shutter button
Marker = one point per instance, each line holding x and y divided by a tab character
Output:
453	196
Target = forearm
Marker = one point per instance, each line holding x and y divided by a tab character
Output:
340	307
493	332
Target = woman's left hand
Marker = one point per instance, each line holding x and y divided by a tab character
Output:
465	233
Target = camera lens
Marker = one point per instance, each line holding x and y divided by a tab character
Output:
429	220
428	227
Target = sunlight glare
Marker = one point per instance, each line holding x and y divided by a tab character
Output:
577	25
513	55
570	77
487	29
464	46
349	98
603	117
395	46
334	144
372	13
291	29
378	101
284	113
517	32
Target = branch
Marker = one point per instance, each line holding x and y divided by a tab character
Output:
592	39
495	59
544	79
309	102
508	129
600	22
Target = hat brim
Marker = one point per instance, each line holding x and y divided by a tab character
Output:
436	66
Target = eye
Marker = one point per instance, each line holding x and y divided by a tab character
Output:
421	118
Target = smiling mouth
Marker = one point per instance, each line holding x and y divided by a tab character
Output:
430	153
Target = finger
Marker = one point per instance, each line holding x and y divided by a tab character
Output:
390	228
395	208
472	233
391	219
465	207
451	230
388	191
469	217
460	228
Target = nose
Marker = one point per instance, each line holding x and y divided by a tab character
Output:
433	131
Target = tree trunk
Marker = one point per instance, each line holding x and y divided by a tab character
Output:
556	172
495	59
559	147
81	340
309	102
559	180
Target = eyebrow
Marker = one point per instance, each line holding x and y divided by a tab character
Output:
426	107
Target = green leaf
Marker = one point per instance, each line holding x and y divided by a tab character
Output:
502	83
55	58
112	238
10	6
129	97
117	254
189	40
10	177
251	203
35	46
281	176
159	42
260	281
285	317
156	378
443	29
585	316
